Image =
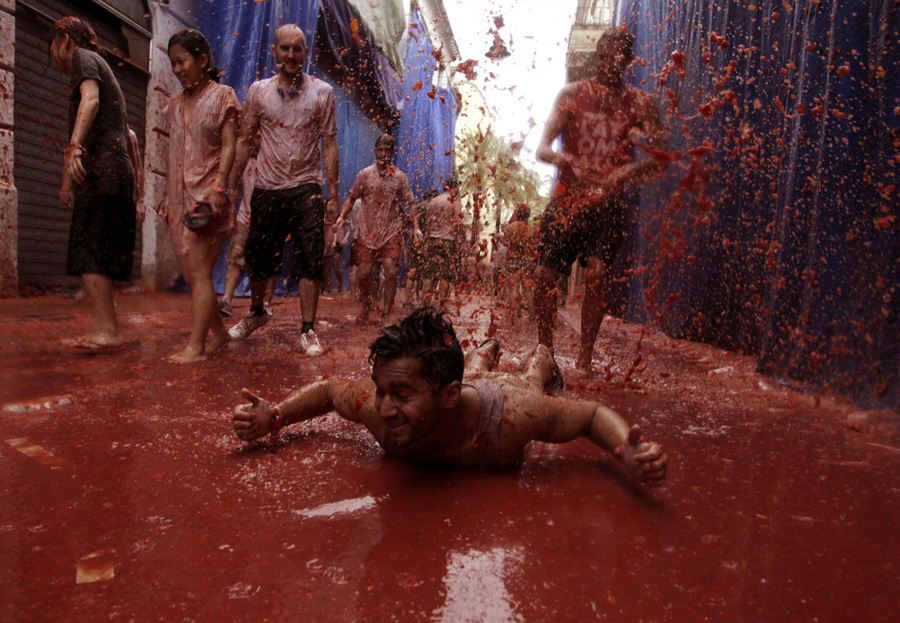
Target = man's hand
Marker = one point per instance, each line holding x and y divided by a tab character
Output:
254	420
645	461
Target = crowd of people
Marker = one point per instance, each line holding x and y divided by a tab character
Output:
279	153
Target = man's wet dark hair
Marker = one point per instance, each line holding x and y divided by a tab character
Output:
79	31
622	39
196	44
385	139
426	335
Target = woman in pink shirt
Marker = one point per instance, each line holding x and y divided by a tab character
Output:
202	119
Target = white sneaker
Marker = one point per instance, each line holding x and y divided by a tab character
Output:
309	345
247	325
267	307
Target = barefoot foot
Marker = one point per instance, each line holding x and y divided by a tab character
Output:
188	356
216	342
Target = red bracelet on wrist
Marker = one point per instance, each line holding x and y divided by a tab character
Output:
217	188
72	148
277	421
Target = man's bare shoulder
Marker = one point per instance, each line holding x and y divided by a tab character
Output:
570	90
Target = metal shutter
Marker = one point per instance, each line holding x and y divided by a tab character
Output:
41	134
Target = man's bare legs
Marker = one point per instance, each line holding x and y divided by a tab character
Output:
309	299
593	308
354	283
338	274
389	270
197	268
542	371
545	296
484	358
364	291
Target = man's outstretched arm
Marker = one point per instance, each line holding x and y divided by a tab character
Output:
257	417
555	420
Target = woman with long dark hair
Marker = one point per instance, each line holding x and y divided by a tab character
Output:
202	118
98	178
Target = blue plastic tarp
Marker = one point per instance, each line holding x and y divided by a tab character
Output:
784	242
425	138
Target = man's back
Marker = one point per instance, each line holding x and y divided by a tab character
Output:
442	215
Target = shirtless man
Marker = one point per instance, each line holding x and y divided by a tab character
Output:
597	119
418	407
291	113
383	189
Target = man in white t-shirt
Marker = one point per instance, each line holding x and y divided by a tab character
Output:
289	114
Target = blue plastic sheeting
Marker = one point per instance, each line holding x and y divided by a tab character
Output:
240	34
427	129
784	241
356	136
346	51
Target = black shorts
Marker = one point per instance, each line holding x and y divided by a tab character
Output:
595	230
275	214
101	238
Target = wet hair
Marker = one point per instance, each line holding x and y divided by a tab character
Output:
522	213
451	182
79	31
386	139
429	194
621	38
426	335
196	45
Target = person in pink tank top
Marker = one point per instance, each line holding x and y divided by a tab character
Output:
598	120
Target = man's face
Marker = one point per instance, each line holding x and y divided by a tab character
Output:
384	154
611	58
406	402
290	51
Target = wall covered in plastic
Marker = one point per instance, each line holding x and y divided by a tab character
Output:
425	138
775	230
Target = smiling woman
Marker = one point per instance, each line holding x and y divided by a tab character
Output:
202	119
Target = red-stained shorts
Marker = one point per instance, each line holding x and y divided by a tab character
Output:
391	250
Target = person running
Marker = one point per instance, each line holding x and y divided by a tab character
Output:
426	403
202	121
443	223
98	180
292	112
596	119
383	189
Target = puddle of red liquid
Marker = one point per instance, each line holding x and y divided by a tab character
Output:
774	510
